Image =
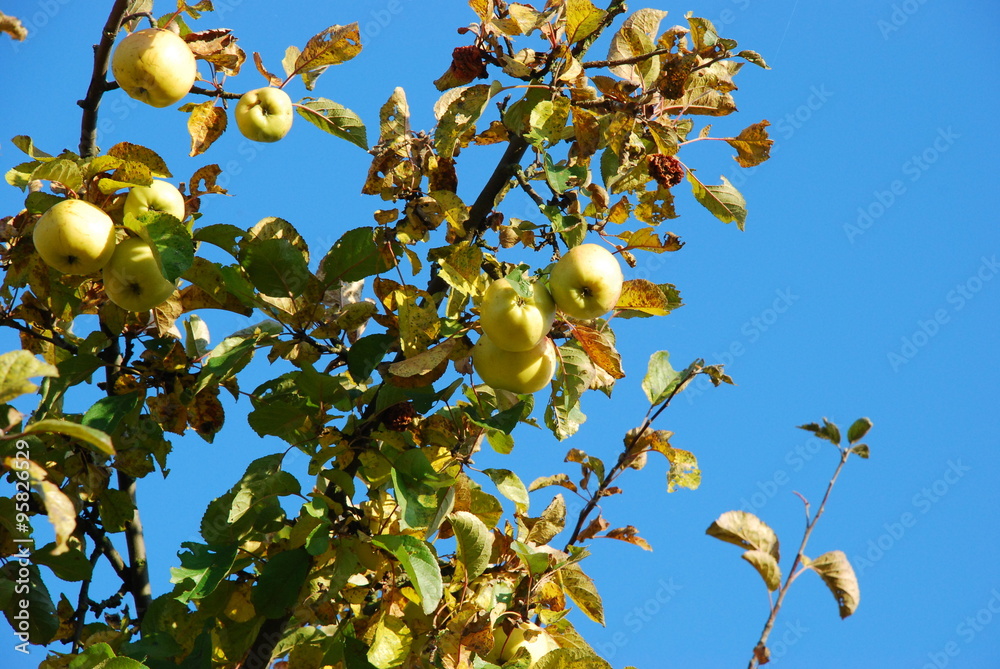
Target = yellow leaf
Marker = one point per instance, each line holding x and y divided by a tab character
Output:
206	124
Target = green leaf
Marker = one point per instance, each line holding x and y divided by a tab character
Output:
169	239
233	515
547	122
359	253
202	569
575	376
420	563
416	484
581	589
746	531
827	431
552	521
93	657
753	57
571	658
838	574
16	368
457	111
661	378
27	145
69	565
276	267
858	430
475	542
107	413
223	235
510	486
39	202
861	450
96	439
766	566
233	354
335	119
535	560
280	580
42	621
60	170
365	354
723	201
333	46
563	177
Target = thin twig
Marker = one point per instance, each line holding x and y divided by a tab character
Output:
56	341
82	602
792	572
631	60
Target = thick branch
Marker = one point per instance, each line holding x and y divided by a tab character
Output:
109	550
141	590
98	79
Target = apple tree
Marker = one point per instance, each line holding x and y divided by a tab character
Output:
416	340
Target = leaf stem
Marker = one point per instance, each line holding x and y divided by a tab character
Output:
793	572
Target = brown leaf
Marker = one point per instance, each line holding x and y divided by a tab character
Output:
753	146
169	412
271	79
206	414
630	535
596	525
208	174
205	124
424	362
600	349
335	45
13	27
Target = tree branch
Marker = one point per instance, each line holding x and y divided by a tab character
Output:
98	79
56	341
625	61
82	602
810	525
138	567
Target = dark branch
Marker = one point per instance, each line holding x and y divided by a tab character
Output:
98	79
56	341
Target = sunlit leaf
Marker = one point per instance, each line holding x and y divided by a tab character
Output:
838	574
206	123
335	119
16	368
724	201
752	145
475	542
420	563
858	430
581	589
745	530
766	566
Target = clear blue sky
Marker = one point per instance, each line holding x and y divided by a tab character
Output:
866	283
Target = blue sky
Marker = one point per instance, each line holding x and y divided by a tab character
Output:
866	283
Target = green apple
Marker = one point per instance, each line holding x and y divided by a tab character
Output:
74	237
517	371
133	279
154	66
159	196
586	282
505	646
264	114
515	323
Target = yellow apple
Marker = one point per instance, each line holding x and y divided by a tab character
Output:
154	66
586	282
515	323
159	196
74	237
264	114
505	646
133	279
517	371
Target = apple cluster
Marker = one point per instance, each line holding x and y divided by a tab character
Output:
77	237
515	352
157	67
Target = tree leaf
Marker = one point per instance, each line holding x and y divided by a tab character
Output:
420	563
457	111
582	19
581	589
128	152
475	542
630	535
202	570
511	487
69	565
276	268
279	582
205	124
858	430
636	37
600	347
552	521
96	439
723	201
661	379
556	479
335	119
16	368
746	531
838	574
753	57
106	414
766	566
356	255
643	298
169	238
861	450
752	145
42	621
335	45
827	431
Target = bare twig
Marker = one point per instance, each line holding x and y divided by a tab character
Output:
82	602
632	60
56	341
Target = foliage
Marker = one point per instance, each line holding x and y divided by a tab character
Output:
400	553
